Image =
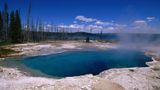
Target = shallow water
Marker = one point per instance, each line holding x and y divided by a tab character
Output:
75	63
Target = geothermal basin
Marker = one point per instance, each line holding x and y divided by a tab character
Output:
76	63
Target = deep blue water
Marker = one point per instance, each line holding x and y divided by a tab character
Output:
75	63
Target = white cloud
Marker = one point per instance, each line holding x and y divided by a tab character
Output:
97	25
76	26
140	24
151	18
85	19
49	25
63	26
121	25
94	27
139	21
110	28
103	23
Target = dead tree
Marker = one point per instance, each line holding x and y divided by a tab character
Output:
28	20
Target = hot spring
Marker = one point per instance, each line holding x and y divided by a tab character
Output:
75	63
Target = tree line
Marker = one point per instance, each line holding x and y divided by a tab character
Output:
10	26
13	31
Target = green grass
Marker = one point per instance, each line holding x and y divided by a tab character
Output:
2	43
4	52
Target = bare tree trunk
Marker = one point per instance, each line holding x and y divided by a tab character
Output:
101	35
37	30
28	20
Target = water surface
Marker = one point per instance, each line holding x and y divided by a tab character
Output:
75	63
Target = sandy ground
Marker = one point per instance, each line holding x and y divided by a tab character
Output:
147	78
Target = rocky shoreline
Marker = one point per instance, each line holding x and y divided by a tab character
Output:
144	78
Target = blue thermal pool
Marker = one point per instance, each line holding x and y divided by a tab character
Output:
75	63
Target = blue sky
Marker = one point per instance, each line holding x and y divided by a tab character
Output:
64	12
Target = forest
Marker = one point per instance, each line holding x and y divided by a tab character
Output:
12	30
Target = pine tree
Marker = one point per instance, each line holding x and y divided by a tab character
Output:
18	27
12	27
5	21
1	25
15	27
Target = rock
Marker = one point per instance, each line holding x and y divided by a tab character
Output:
1	70
156	68
155	65
158	59
131	70
142	78
106	85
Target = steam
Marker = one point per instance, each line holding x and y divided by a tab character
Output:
139	38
